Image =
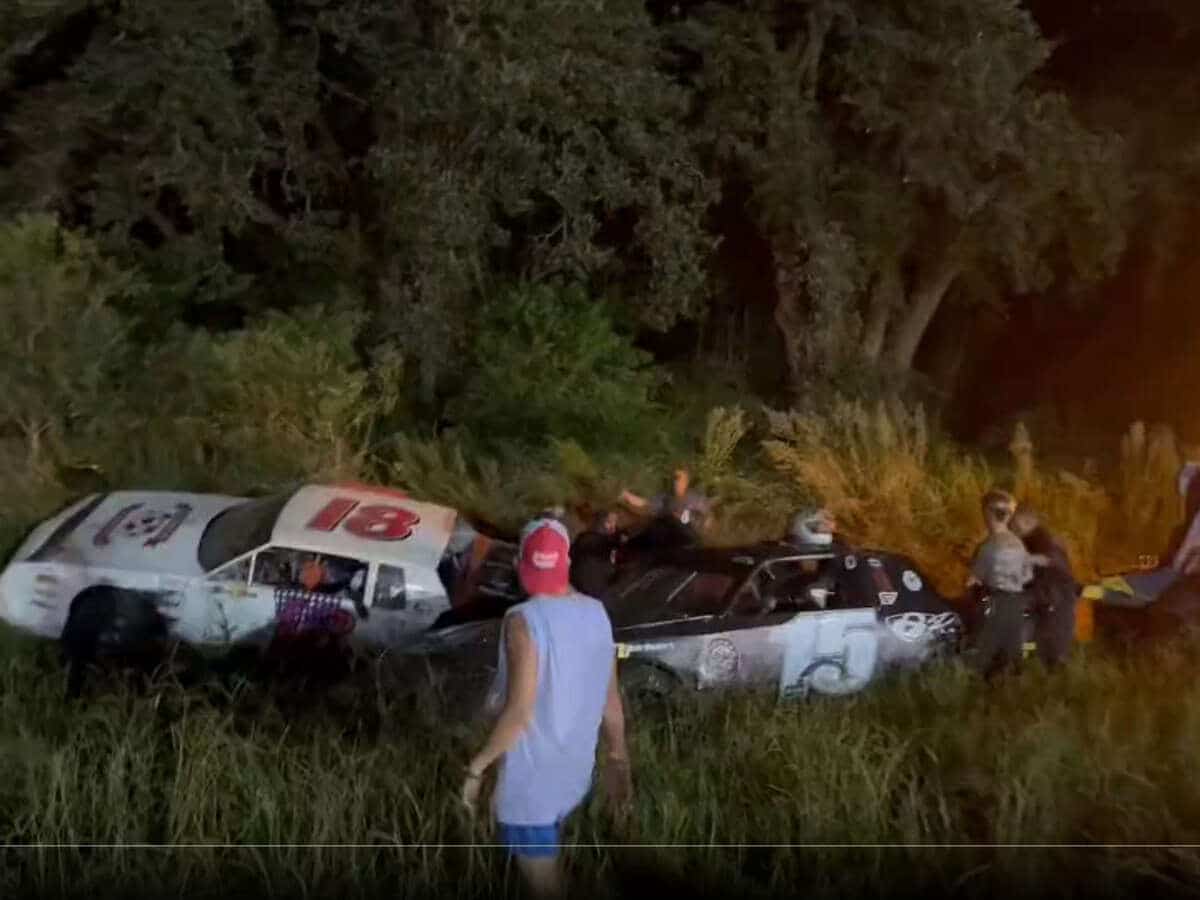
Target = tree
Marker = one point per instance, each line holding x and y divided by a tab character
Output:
417	152
898	149
62	341
534	140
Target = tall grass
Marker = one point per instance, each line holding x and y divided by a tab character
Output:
1099	754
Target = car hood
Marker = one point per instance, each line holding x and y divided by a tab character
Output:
145	531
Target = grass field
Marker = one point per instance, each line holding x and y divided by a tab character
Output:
257	769
1101	753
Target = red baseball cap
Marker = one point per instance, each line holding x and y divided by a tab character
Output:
544	560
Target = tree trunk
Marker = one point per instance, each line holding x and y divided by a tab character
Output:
789	305
885	297
926	298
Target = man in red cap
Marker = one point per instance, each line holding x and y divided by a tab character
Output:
557	673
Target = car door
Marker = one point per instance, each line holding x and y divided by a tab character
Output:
776	633
403	605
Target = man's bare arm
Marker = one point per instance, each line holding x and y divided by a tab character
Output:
631	499
612	724
514	718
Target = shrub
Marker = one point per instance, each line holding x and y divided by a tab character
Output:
62	342
547	362
283	399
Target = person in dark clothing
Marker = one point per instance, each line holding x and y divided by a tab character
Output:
1054	590
593	555
1001	570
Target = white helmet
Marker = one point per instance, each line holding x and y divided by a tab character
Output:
812	527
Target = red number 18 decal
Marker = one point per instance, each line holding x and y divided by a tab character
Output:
375	522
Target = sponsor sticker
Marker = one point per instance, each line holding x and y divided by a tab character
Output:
887	598
911	580
874	563
851	563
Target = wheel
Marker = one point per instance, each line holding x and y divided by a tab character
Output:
106	621
647	682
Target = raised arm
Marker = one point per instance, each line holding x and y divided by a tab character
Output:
631	499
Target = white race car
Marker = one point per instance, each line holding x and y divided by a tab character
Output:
364	562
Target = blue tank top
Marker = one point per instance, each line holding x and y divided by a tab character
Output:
549	770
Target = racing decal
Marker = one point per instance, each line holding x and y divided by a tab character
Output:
851	563
177	518
648	648
883	584
104	536
874	563
720	660
152	526
912	580
914	626
299	612
375	521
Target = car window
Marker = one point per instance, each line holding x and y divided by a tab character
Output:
237	570
391	591
780	586
703	594
318	573
239	529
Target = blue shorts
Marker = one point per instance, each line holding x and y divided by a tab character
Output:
530	840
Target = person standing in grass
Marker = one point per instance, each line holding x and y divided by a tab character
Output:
1004	569
1054	590
557	673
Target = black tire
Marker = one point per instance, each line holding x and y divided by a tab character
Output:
647	682
106	621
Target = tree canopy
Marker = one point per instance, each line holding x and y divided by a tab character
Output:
408	162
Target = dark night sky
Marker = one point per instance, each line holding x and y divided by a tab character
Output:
1123	355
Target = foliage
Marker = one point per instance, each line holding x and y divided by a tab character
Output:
887	134
547	363
284	399
62	342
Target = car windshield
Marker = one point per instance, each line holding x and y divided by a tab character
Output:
239	530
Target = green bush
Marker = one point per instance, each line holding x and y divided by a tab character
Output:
283	399
62	343
546	362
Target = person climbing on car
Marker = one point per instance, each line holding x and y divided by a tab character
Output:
1054	589
1002	569
594	555
678	514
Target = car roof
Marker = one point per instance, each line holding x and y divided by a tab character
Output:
423	547
732	560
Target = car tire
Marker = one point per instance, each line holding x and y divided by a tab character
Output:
647	682
106	621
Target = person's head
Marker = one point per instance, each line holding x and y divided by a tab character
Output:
1024	522
544	558
605	522
813	527
681	480
998	508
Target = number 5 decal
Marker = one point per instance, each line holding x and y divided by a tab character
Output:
374	522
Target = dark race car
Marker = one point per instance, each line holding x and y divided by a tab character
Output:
777	616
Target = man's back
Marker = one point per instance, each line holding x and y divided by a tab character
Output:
550	768
1002	563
